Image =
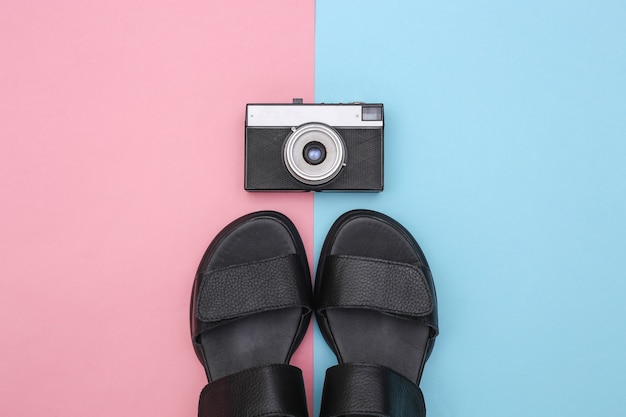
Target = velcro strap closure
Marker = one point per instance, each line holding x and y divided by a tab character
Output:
388	286
274	390
244	289
373	390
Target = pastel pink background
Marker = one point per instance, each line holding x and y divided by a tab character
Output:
121	156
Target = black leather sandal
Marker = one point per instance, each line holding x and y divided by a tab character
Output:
377	309
250	308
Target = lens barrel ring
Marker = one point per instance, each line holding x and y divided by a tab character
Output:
314	171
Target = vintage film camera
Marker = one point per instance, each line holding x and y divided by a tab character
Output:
314	147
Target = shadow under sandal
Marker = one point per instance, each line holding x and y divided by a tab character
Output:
250	308
376	307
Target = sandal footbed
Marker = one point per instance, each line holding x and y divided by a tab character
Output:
360	335
264	338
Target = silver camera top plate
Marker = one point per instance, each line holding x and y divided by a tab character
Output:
340	115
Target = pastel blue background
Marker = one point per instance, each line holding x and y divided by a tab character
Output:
505	157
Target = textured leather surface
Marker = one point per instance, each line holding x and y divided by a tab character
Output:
370	390
265	169
275	390
240	290
379	284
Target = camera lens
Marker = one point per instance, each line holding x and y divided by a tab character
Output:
314	153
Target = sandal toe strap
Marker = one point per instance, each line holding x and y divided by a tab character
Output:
393	287
240	290
370	390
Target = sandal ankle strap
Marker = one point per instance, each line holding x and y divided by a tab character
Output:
370	390
273	390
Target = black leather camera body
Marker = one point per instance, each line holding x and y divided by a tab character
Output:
314	147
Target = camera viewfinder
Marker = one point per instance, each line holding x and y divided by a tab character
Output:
372	113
